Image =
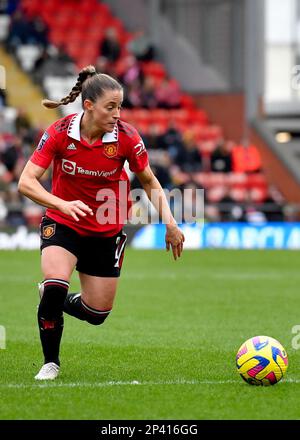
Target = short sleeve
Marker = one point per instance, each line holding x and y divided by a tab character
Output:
45	151
137	154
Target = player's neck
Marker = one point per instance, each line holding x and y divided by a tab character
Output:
89	131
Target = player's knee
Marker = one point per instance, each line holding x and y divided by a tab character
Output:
94	316
54	294
97	320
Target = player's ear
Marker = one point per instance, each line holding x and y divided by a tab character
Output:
88	104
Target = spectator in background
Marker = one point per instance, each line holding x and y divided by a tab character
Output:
7	123
141	46
104	66
152	138
274	205
189	158
3	207
246	158
254	206
53	61
231	205
291	213
148	97
62	57
168	94
22	121
161	170
18	31
171	140
24	31
9	155
8	6
159	157
39	32
3	99
193	203
15	216
220	160
24	129
254	214
131	72
133	96
110	47
37	70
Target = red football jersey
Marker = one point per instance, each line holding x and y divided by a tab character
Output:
94	173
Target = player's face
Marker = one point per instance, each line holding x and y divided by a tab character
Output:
106	110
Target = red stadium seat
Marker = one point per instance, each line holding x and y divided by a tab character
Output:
57	36
238	194
257	194
88	7
203	179
81	23
187	101
162	126
104	8
218	179
153	68
257	180
215	193
159	114
31	7
141	126
238	179
141	115
180	116
198	116
64	19
207	147
126	115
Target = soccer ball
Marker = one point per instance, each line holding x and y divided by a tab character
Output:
261	361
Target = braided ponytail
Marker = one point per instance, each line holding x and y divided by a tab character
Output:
84	74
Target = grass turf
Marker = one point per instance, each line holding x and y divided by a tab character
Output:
175	328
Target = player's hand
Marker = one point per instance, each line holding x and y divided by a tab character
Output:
174	239
76	209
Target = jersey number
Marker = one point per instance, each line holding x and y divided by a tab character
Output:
120	242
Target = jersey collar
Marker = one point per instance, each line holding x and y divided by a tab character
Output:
74	130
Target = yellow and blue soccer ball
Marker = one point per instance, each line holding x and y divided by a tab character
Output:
262	360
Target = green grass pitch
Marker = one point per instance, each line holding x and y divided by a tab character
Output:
175	329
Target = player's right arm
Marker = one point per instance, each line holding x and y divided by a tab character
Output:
30	187
29	182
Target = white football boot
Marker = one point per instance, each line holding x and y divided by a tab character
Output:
48	371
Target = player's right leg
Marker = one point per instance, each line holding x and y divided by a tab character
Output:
58	262
57	267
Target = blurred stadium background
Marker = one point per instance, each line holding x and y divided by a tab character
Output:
211	85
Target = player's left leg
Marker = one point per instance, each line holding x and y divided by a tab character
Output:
95	301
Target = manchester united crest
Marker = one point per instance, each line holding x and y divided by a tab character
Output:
110	150
48	231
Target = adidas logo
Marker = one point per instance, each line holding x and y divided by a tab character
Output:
71	147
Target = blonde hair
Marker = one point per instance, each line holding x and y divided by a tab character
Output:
90	84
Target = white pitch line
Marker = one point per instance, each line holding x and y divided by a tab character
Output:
50	384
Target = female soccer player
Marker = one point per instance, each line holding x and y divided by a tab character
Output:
88	151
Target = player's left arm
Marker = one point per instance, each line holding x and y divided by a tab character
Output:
174	236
